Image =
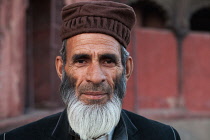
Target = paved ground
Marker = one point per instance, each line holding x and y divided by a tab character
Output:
192	129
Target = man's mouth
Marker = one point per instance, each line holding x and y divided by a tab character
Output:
94	95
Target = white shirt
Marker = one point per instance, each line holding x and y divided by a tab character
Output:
107	137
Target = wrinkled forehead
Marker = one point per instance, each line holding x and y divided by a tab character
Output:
93	42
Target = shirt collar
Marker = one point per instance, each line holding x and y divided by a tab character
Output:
61	128
108	136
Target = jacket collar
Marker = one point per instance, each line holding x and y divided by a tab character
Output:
61	129
129	126
123	130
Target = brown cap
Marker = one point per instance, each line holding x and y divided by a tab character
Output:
111	18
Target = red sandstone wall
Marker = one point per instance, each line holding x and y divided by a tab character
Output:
196	80
12	61
154	83
155	70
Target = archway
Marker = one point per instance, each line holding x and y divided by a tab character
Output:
43	44
200	20
150	14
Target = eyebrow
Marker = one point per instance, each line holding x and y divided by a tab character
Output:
80	56
108	56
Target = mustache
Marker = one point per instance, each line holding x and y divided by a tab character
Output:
90	87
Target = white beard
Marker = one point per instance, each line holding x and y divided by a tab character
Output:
92	121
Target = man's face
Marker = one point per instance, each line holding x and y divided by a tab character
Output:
94	61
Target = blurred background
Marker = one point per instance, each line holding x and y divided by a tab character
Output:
170	45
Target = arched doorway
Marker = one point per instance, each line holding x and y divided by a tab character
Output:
43	44
150	14
200	20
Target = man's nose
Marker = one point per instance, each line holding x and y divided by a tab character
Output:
95	74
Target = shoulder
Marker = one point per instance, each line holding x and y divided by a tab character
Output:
140	121
150	129
34	130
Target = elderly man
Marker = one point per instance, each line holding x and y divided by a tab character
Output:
94	67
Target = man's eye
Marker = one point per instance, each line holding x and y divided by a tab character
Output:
81	61
109	62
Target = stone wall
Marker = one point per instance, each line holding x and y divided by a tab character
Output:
196	72
155	83
12	57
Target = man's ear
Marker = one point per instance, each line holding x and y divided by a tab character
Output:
59	66
129	67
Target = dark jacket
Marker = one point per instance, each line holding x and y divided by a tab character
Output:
130	127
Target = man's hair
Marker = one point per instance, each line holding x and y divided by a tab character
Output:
124	54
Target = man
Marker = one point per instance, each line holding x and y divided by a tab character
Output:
94	67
